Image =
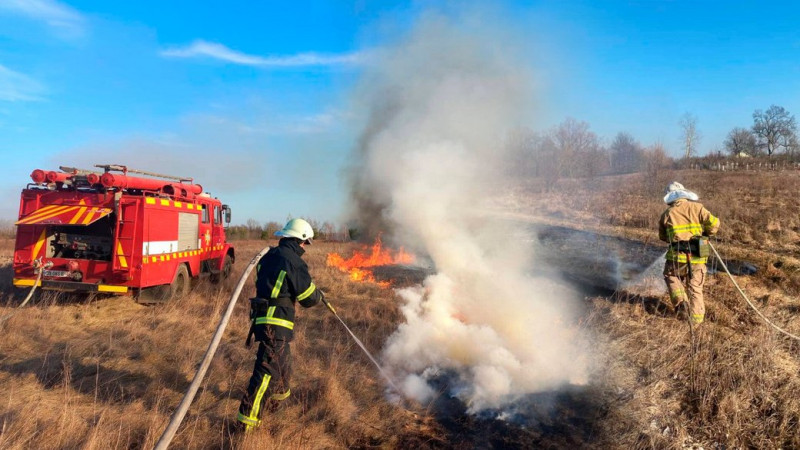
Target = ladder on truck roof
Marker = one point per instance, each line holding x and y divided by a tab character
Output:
126	170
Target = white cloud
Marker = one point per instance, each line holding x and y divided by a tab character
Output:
270	126
15	86
65	20
317	123
201	48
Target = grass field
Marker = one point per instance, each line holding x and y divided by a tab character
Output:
105	372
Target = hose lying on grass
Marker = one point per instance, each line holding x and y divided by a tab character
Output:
719	258
24	302
177	416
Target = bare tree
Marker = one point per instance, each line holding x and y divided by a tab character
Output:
578	150
524	147
7	228
626	154
327	231
549	162
657	171
271	227
253	229
689	134
740	141
775	128
596	161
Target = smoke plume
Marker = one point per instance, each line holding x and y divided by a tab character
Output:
430	161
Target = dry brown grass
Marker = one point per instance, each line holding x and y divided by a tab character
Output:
107	373
730	385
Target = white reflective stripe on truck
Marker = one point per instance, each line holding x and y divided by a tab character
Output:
159	247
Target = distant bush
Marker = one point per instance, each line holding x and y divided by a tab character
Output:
7	229
324	231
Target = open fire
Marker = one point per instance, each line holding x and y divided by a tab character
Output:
360	265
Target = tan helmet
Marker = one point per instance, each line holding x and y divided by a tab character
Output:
297	228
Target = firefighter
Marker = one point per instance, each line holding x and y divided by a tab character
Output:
685	269
282	279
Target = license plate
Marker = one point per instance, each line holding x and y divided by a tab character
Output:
56	273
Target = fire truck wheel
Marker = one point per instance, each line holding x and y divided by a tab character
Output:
223	274
181	284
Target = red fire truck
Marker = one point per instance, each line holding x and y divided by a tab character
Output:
108	231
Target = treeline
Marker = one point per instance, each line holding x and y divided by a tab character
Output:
572	150
253	230
7	229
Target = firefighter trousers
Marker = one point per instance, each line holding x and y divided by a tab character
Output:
685	288
269	382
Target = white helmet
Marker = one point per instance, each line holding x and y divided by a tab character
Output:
676	191
297	228
674	186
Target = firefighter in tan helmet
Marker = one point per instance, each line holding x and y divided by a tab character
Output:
683	226
282	279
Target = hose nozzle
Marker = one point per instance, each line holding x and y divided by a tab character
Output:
328	305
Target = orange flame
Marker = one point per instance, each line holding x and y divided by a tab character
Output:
357	265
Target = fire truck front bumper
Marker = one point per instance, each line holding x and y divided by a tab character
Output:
71	286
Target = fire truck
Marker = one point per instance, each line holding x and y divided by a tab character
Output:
112	232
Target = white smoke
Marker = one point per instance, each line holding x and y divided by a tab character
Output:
432	156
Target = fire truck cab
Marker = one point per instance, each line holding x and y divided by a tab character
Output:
108	231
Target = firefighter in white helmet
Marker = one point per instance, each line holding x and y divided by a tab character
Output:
682	226
282	279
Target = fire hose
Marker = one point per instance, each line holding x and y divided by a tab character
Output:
719	258
180	412
183	407
33	288
361	344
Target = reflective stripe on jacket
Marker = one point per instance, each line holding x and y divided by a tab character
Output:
682	220
283	278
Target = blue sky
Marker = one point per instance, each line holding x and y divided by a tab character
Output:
254	99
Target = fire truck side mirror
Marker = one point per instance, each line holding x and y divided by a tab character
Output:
227	211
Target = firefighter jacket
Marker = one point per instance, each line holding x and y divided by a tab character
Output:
282	279
682	220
